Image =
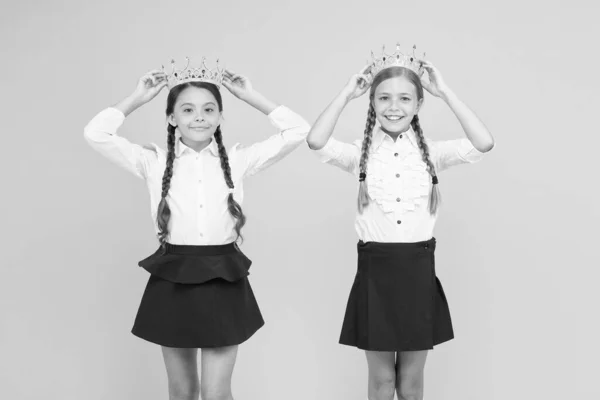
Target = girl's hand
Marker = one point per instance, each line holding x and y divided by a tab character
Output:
358	84
149	86
435	83
238	85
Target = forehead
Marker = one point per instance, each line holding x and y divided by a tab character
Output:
196	96
397	84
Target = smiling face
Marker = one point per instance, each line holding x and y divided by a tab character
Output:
196	112
397	97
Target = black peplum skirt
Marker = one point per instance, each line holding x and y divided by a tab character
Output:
197	297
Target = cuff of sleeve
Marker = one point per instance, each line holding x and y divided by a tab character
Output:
469	153
327	152
108	120
283	118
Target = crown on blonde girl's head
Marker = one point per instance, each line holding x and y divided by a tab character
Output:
164	212
393	71
396	59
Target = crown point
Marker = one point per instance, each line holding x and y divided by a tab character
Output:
201	73
396	59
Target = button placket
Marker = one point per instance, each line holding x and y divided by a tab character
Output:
201	200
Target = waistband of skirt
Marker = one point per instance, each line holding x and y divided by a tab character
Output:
201	250
395	246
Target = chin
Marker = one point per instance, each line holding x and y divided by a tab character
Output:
395	128
198	138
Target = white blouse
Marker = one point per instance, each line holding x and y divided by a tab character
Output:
198	193
398	182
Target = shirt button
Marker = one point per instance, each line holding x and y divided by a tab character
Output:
398	222
201	205
202	234
395	154
400	136
397	175
398	199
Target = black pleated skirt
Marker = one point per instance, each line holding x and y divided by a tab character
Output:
396	303
197	297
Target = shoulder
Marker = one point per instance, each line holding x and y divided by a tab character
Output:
358	143
153	147
154	151
237	152
236	149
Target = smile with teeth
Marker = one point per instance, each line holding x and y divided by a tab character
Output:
393	117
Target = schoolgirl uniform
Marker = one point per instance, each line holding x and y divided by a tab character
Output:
396	302
198	294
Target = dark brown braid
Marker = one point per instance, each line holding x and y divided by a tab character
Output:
234	208
164	212
434	196
363	191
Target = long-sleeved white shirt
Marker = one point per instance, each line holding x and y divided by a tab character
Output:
198	193
398	182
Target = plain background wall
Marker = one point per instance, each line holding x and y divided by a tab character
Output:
517	232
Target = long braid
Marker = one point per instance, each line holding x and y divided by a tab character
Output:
363	191
434	196
164	212
234	208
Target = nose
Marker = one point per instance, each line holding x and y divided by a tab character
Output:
395	104
199	118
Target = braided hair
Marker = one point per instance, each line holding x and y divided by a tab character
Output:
233	206
363	195
363	191
434	195
164	212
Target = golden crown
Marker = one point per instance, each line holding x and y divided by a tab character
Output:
199	74
396	59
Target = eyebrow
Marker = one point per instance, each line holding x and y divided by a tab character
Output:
205	104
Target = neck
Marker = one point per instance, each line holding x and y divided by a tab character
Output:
393	135
196	146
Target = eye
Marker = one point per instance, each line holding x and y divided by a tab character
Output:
405	98
383	98
209	109
185	110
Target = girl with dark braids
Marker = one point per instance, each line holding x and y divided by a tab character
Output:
198	294
397	309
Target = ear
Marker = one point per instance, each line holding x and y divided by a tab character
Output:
171	120
221	118
419	104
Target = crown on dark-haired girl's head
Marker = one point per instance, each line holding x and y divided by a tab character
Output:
199	74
